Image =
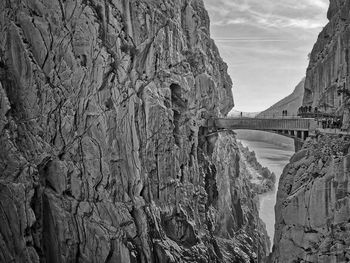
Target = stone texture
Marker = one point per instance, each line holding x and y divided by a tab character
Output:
327	84
313	204
103	157
261	178
237	196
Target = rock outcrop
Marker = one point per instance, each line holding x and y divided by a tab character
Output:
313	204
102	156
242	224
327	84
291	103
262	179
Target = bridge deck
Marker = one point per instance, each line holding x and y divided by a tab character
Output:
295	124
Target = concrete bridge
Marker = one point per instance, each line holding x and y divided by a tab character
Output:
297	128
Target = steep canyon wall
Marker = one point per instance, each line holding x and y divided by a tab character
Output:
327	84
102	156
313	203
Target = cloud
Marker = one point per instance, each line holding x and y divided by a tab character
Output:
265	44
253	39
268	13
318	3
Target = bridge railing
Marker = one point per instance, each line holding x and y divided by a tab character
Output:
267	117
296	124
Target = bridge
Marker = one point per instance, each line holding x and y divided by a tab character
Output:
297	128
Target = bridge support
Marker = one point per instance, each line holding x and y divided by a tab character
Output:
298	144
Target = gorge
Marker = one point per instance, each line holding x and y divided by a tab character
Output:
105	155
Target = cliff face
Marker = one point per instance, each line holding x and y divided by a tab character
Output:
291	103
327	84
262	179
241	227
102	158
313	204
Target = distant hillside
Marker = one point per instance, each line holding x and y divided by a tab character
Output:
236	113
290	103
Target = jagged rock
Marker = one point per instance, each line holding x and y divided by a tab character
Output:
327	83
103	155
313	207
237	195
261	178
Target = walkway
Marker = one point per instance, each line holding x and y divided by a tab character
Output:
292	127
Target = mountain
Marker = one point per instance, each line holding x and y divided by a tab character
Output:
291	103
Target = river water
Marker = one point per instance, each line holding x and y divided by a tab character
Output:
275	156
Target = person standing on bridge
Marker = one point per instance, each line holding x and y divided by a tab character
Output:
241	114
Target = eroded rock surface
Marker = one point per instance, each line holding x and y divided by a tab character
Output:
327	84
238	195
102	156
262	179
313	204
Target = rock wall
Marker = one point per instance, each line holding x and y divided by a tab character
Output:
313	204
327	84
102	156
262	179
242	225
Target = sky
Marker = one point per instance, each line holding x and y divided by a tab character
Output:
266	45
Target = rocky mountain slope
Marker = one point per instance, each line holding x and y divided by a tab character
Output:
291	103
103	155
313	203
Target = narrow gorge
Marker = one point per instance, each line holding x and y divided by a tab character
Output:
106	154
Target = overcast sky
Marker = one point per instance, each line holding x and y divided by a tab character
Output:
265	44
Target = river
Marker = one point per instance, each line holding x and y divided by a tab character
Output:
275	156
